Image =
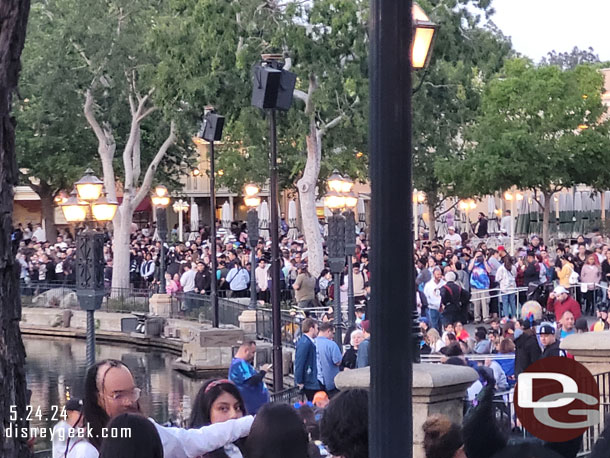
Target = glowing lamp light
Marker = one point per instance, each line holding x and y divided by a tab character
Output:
519	196
508	196
583	127
347	185
74	210
424	33
334	200
89	187
359	154
252	202
196	172
104	209
180	206
251	190
472	205
463	205
335	182
351	200
160	197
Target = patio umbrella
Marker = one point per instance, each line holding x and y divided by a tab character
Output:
263	220
194	217
293	232
361	214
492	225
225	215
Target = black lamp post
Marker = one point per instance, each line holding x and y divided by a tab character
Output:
252	201
336	261
211	131
350	251
88	205
393	44
272	90
160	200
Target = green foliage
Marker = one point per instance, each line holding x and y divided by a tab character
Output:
466	56
570	60
527	134
73	45
52	139
206	51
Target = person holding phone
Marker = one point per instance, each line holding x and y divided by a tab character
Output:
248	381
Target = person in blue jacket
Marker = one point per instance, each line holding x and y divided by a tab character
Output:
305	360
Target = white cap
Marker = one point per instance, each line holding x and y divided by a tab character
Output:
560	290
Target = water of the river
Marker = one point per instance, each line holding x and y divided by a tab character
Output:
57	366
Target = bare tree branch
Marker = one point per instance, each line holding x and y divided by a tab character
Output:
150	172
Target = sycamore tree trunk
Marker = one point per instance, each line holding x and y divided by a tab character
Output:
134	189
307	198
13	21
121	248
307	185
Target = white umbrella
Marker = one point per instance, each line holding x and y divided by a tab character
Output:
361	214
293	232
578	201
194	217
263	220
492	225
225	215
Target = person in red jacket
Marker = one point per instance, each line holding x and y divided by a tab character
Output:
560	300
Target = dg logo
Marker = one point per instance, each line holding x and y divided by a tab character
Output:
557	399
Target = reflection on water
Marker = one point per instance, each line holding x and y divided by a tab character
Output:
57	366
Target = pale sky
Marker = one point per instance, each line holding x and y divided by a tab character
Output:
539	26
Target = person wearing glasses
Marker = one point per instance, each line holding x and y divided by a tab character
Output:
110	391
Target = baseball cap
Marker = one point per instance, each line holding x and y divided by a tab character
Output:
424	320
451	228
74	404
560	290
546	328
501	248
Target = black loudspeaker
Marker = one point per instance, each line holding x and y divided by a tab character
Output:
265	86
284	96
212	127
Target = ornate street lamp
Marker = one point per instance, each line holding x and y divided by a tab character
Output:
336	252
424	34
180	207
160	200
252	201
89	204
89	187
351	200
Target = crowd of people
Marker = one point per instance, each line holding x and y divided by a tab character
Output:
45	264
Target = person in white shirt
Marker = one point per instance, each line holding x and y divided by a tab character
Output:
432	291
262	280
453	237
61	430
187	281
110	391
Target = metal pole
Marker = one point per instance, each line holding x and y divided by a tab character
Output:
162	231
90	338
390	400
213	285
180	233
350	291
252	238
278	374
512	225
338	339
